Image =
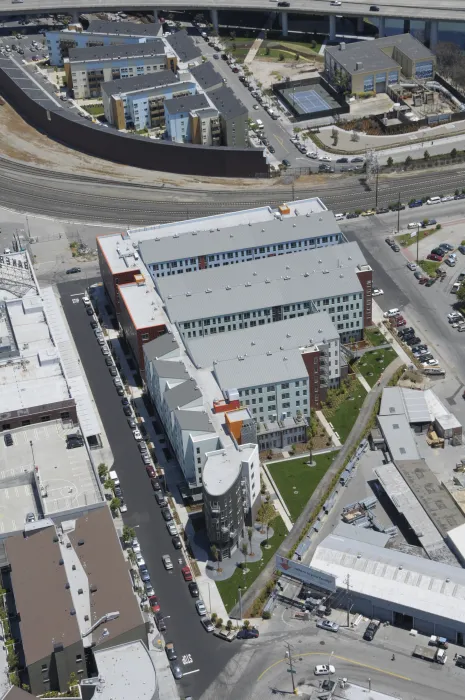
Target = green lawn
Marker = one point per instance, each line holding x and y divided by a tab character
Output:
374	336
429	266
301	46
407	239
296	473
345	410
275	54
374	363
228	588
94	110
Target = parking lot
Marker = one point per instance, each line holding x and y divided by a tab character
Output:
195	648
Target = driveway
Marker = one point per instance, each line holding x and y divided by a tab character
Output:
201	655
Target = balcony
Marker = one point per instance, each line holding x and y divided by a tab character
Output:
215	511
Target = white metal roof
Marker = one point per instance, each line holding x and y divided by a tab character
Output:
282	366
124	667
398	435
392	576
143	304
409	402
304	331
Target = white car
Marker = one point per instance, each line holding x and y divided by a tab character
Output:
391	313
337	3
294	139
137	434
447	198
414	224
172	529
377	292
140	559
86	300
168	564
430	363
454	316
313	155
149	589
324	670
135	545
327	158
123	508
200	607
411	266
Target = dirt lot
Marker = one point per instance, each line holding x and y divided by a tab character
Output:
268	72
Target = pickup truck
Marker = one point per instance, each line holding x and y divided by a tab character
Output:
439	656
228	636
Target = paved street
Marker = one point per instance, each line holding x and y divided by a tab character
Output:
202	654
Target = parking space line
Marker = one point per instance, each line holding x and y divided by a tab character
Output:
189	673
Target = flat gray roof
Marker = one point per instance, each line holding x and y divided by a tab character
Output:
194	421
123	28
412	403
399	437
186	103
183	45
361	534
206	76
161	346
126	666
294	333
377	54
139	82
263	283
170	370
247	234
95	53
227	103
433	496
280	366
182	395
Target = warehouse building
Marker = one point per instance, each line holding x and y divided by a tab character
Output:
99	33
254	368
335	279
86	69
174	249
407	591
371	66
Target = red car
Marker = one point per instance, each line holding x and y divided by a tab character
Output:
154	604
401	322
433	256
151	472
186	572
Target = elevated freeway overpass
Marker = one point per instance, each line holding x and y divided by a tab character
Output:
432	11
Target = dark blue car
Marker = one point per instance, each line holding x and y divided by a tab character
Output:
248	633
416	203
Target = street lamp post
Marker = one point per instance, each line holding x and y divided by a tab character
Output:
418	238
240	601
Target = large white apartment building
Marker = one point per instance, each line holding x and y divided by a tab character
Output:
186	249
335	279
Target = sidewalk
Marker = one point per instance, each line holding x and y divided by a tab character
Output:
276	498
363	382
326	425
378	317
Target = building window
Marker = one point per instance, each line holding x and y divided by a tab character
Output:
145	336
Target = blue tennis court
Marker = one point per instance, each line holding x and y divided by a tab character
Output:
308	101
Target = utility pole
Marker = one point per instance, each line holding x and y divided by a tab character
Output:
376	196
418	238
348	599
240	601
398	214
291	668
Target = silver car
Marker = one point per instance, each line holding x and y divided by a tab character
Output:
328	625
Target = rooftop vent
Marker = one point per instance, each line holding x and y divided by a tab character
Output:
67	585
240	357
286	277
80	543
306	274
284	358
176	235
255	274
72	612
342	46
228	286
268	352
80	591
61	562
253	342
188	294
248	284
157	239
74	567
288	335
267	281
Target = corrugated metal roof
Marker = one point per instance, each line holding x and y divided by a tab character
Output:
398	435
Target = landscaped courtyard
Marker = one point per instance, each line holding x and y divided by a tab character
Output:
343	405
372	364
296	480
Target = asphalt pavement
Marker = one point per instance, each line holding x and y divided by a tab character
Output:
202	656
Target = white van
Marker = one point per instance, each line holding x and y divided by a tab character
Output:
339	217
414	224
433	200
260	124
455	287
114	478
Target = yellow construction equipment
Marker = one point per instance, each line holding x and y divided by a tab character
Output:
433	439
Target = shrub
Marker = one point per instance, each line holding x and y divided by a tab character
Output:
213	617
219	623
246	624
266	615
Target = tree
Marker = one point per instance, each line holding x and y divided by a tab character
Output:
115	504
281	56
266	514
390	161
249	537
461	293
244	550
408	160
128	533
102	471
215	556
267	51
108	484
246	624
426	155
453	153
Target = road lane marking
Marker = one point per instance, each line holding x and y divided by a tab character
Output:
341	658
187	659
189	673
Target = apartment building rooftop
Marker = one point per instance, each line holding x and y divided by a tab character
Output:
264	283
183	45
119	252
142	303
227	103
300	207
260	370
290	334
222	468
139	83
186	103
124	28
155	47
206	76
245	234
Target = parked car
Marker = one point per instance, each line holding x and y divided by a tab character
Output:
371	630
155	484
166	513
177	542
248	633
160	499
377	292
170	651
176	670
167	563
435	257
200	607
412	266
154	604
328	625
193	589
207	624
186	572
73	270
324	670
